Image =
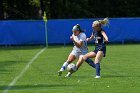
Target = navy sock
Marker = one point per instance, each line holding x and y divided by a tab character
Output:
90	62
97	66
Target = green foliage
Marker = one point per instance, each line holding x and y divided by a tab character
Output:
65	9
35	3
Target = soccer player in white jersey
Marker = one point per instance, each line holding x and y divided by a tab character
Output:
80	48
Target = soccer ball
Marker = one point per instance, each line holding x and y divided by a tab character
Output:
71	67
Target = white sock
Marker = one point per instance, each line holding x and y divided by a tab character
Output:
64	66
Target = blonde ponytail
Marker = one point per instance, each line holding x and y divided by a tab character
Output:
105	21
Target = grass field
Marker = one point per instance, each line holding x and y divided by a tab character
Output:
24	70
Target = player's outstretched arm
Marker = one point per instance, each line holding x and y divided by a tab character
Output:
91	37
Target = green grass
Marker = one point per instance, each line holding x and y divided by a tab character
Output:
119	70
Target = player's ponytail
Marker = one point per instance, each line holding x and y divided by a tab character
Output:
81	30
104	22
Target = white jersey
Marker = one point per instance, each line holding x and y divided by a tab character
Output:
83	48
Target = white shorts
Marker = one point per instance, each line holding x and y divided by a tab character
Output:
77	54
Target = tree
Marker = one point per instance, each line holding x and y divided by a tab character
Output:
1	9
65	9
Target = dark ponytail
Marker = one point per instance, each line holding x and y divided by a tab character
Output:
78	26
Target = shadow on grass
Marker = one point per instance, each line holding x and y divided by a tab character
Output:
120	76
6	65
18	87
115	76
108	76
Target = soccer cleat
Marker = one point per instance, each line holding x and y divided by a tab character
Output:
68	74
59	73
97	77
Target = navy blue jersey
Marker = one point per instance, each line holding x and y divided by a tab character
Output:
98	37
99	42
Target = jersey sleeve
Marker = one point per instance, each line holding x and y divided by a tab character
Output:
82	37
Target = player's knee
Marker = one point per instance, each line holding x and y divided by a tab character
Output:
97	61
84	58
81	56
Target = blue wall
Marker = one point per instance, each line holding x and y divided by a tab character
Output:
59	31
21	32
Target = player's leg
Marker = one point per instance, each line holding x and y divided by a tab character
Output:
81	60
88	60
98	59
73	55
84	58
77	55
71	58
70	73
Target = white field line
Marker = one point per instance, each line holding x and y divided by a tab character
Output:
23	71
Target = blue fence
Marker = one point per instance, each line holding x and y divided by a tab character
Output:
21	32
59	31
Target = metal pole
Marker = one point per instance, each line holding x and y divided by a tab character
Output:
46	31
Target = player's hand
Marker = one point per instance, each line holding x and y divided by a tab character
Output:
106	41
88	39
71	37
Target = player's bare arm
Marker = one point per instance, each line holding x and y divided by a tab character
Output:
105	36
91	37
78	44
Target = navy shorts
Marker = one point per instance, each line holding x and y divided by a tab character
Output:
101	47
